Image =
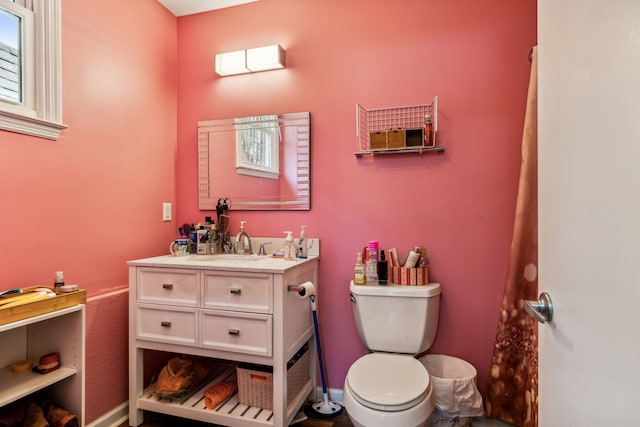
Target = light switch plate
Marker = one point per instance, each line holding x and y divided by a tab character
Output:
166	212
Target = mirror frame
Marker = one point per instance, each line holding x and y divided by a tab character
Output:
208	196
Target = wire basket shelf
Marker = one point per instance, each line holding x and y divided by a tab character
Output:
376	123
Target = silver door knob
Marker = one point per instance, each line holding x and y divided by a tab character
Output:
541	310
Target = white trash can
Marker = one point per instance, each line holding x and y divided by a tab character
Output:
454	385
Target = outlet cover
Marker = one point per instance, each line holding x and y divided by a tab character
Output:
166	212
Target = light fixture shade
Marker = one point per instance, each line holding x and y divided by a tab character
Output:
265	58
230	63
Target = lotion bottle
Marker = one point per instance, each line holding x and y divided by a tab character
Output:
359	277
289	246
241	241
302	242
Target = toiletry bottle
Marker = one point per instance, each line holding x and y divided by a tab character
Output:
359	277
289	246
58	282
428	131
241	239
371	265
383	269
412	259
303	245
373	250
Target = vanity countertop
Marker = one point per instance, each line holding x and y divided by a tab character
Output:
254	263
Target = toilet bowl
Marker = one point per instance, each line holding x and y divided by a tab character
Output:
384	389
389	386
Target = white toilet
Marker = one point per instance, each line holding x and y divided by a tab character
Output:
390	387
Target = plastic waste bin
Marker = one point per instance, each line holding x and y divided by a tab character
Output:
454	385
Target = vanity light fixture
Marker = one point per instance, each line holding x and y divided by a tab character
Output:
231	63
250	60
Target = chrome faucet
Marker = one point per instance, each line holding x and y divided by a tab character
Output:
262	251
243	241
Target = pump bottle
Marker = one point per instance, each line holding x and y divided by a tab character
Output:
289	246
243	244
303	248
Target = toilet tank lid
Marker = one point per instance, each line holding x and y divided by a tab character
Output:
430	290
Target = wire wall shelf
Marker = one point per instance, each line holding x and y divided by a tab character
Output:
410	129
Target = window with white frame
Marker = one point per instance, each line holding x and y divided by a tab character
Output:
30	67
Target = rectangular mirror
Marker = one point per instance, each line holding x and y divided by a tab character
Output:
257	162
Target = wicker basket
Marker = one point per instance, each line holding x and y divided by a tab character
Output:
255	382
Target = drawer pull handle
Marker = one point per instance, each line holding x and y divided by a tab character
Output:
167	286
235	332
165	324
236	291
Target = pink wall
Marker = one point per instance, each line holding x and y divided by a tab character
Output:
460	204
92	200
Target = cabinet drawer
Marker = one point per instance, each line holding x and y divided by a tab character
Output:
238	292
168	286
171	325
246	333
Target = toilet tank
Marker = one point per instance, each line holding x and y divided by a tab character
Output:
396	318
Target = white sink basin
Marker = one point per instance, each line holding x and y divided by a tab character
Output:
227	257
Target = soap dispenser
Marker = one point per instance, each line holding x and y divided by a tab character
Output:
303	246
289	246
243	243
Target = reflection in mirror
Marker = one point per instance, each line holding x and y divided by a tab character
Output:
258	146
258	162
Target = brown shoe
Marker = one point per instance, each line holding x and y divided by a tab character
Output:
59	417
34	417
12	414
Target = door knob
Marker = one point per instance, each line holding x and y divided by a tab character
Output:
541	310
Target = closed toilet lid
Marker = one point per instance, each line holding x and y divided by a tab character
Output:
388	382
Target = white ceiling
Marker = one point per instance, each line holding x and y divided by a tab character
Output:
188	7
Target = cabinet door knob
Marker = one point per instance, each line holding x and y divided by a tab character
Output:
165	324
167	286
236	291
235	332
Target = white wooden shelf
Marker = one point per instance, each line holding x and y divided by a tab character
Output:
61	331
16	385
231	413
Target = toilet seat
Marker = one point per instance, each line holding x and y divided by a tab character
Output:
388	382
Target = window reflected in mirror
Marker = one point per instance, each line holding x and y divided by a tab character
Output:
258	146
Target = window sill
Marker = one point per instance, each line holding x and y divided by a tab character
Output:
30	126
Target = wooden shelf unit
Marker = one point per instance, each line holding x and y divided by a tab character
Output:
61	331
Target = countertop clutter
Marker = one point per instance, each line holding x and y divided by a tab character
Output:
32	302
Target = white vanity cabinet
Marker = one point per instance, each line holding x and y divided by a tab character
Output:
61	331
230	309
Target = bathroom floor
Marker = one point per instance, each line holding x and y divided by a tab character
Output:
342	420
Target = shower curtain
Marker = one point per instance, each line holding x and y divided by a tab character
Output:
513	380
